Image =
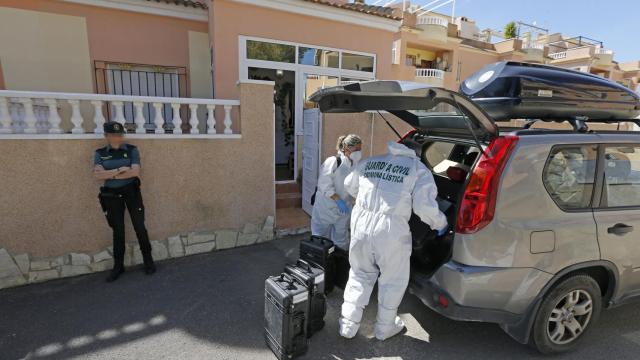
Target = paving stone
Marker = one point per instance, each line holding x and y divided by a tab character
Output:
22	260
251	228
44	275
247	239
268	230
78	259
175	247
199	248
10	274
37	265
226	239
73	270
103	265
101	256
159	250
128	254
200	237
269	223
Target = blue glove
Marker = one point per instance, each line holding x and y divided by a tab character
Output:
343	207
443	230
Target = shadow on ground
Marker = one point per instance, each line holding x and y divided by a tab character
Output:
211	306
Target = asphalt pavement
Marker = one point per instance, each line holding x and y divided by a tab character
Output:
210	306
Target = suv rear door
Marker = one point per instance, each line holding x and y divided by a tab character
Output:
618	213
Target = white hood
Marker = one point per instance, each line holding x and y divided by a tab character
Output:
397	149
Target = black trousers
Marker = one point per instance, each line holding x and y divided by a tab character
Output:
114	202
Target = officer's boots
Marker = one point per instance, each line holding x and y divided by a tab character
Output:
115	273
149	266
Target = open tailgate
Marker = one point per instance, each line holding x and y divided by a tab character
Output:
411	102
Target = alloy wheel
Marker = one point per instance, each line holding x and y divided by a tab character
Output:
570	317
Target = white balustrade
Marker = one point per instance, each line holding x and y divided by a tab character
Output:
177	120
158	121
558	55
211	119
227	119
431	73
139	119
5	117
432	20
193	120
602	51
533	46
38	113
54	117
30	119
98	117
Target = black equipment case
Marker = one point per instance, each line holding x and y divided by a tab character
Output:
286	306
512	90
312	276
319	250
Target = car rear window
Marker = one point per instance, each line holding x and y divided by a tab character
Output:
622	176
569	175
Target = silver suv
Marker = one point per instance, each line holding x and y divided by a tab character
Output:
542	221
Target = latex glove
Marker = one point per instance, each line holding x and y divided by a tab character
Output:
443	230
343	207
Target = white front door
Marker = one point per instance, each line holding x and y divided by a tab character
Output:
310	156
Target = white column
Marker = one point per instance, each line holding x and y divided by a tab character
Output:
5	117
158	120
227	119
54	117
119	112
98	117
211	119
177	120
30	119
139	119
76	117
193	120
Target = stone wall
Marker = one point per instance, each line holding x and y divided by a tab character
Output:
20	269
51	224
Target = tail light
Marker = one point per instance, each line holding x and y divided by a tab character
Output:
479	200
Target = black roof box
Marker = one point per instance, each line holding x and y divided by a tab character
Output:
512	90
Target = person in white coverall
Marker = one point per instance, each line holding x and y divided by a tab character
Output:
332	207
387	188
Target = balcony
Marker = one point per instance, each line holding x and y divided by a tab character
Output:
603	57
29	114
433	28
558	56
433	77
533	52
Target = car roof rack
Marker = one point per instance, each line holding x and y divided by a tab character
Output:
579	124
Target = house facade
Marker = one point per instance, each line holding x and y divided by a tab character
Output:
215	94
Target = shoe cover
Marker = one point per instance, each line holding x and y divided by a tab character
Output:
348	328
385	331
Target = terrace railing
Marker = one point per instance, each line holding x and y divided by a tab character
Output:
432	20
430	73
39	113
558	55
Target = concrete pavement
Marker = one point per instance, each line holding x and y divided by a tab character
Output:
210	306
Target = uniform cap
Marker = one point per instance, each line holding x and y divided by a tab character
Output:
113	127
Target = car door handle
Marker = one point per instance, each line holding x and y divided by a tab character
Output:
620	229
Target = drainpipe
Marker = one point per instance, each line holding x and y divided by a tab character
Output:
212	50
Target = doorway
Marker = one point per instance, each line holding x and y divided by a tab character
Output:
284	103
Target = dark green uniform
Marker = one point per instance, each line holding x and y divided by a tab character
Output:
118	194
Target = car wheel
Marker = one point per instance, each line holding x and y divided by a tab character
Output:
566	314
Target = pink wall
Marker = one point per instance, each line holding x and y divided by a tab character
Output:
228	20
122	36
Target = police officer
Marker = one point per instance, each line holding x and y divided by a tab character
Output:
118	164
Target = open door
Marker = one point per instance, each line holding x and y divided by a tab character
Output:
310	155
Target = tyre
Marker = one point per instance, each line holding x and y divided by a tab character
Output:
566	314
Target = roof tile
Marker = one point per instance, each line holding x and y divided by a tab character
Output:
382	11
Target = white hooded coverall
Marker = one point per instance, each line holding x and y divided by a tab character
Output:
387	188
326	219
